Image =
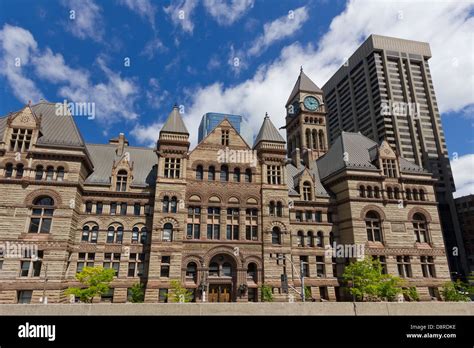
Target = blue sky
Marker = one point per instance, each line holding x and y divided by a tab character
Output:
223	56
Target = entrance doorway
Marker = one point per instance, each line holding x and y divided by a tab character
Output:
219	293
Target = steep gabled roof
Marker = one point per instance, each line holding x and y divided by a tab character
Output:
174	123
304	84
268	132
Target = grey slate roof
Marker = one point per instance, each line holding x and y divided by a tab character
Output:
268	132
174	123
303	83
352	147
293	180
55	130
410	167
104	155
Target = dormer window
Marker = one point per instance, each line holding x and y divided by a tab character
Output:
307	196
20	140
121	184
389	168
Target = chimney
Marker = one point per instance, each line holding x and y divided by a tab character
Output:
121	142
296	157
308	158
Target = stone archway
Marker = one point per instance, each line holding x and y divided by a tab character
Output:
222	278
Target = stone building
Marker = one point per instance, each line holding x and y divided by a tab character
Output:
223	218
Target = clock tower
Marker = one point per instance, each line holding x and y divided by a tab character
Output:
306	121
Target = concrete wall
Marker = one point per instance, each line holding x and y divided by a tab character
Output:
260	309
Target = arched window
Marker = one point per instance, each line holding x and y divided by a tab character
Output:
276	235
191	271
321	139
8	170
168	232
389	193
214	269
361	191
369	192
397	193
331	239
173	204
307	196
248	175
139	235
41	215
320	239
224	173
226	269
199	172
49	173
60	174
308	138
310	239
300	238
211	174
422	195
415	194
236	174
39	172
90	234
115	234
135	234
315	139
121	181
144	235
271	208
376	192
252	271
279	209
166	204
19	170
408	193
420	228
373	227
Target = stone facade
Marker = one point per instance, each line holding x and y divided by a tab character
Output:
223	218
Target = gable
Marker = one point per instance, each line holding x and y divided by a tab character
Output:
24	119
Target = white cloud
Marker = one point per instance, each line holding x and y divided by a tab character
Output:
181	13
16	45
462	168
114	96
213	63
153	46
144	8
227	12
447	26
279	29
154	95
147	135
87	21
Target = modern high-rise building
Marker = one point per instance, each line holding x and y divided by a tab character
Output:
210	120
385	91
465	209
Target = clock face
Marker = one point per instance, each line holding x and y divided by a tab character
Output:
311	103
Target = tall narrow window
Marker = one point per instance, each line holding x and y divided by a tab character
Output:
121	181
39	172
300	238
224	173
373	227
419	228
166	204
274	175
8	170
194	223
225	137
279	209
248	175
191	272
271	208
199	173
320	267
112	260
211	174
404	266
232	231
213	223
168	232
236	174
361	191
320	239
60	174
173	205
427	266
251	224
41	215
276	235
307	196
19	170
389	168
172	167
49	173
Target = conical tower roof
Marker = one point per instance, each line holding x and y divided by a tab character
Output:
174	123
268	132
303	84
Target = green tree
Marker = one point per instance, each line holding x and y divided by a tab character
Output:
179	293
267	294
411	293
137	293
368	283
95	281
307	293
456	291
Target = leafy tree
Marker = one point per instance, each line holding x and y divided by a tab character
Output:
179	293
411	293
457	291
368	283
137	293
95	282
307	293
267	295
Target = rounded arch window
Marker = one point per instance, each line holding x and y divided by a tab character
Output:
41	215
252	271
191	271
276	235
168	232
420	228
373	226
